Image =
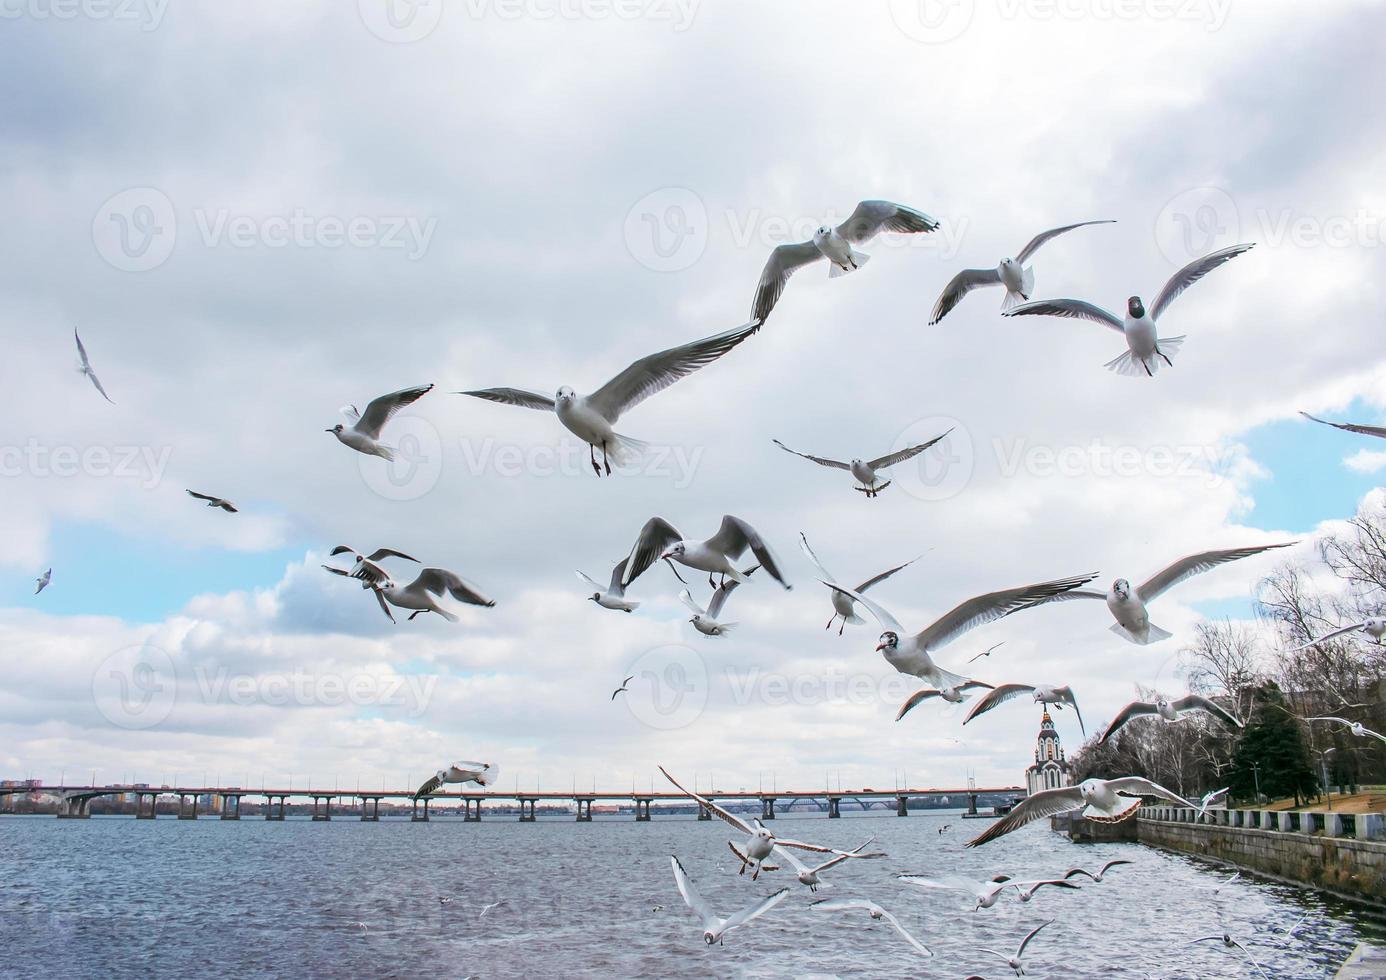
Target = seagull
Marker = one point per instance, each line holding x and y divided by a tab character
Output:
492	906
1102	800
835	244
367	567
43	580
984	893
1011	273
1374	626
1366	430
760	843
1026	893
364	434
809	876
1225	882
953	695
714	926
624	687
660	540
1216	796
1356	727
444	900
987	651
875	911
1145	348
591	417
844	606
705	620
481	773
612	596
84	366
1100	873
1014	962
1128	607
1289	933
1231	943
866	470
911	654
1170	711
221	502
944	827
1044	694
419	595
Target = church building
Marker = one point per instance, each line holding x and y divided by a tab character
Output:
1051	769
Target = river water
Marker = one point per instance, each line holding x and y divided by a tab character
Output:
116	897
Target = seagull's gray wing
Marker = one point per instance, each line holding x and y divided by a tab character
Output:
804	545
1195	702
735	536
203	496
1135	709
993	606
1032	246
878	579
836	464
1140	786
904	933
757	910
1191	273
881	462
429	786
1066	693
691	896
658	371
380	553
958	287
1045	803
1192	565
843	905
1366	430
915	699
997	695
870	218
1033	932
717	811
86	367
384	606
440	581
1326	637
886	620
382	409
655	538
722	593
519	397
784	261
617	574
1070	308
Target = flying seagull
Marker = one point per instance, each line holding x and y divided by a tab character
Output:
591	417
84	366
1102	800
987	651
1356	727
660	540
1128	607
984	894
844	606
367	570
875	911
221	502
706	621
1043	694
43	580
953	695
612	596
364	434
1011	273
623	688
1170	711
1216	796
810	876
1375	627
420	595
1145	348
1015	962
835	244
1365	430
1099	874
492	906
866	471
911	654
481	773
714	926
1230	943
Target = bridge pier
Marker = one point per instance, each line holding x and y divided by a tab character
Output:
767	808
473	811
416	816
269	808
833	813
74	808
642	809
972	804
326	809
704	813
139	806
367	813
183	812
584	810
231	807
902	808
527	811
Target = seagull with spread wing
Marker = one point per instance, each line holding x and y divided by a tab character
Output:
877	913
809	876
836	245
612	596
867	472
1102	801
419	596
1046	694
1014	961
1145	349
953	695
591	417
43	580
1356	727
1363	430
844	606
221	502
1171	711
366	427
1128	606
1230	943
1097	875
461	773
984	894
708	621
1373	626
1010	273
84	366
661	541
714	926
624	688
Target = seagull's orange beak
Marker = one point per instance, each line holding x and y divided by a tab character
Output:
880	647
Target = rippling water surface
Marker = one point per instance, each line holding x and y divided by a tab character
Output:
115	897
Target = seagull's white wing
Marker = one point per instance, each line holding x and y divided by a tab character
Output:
1069	308
843	905
691	896
589	580
734	536
655	538
801	845
878	579
1140	786
788	855
915	699
1045	803
519	397
804	546
949	882
886	620
836	464
1067	696
995	696
870	218
1341	721
881	462
1188	567
686	598
440	581
1033	245
1195	702
1190	274
784	261
429	786
993	606
617	574
711	807
658	371
958	287
1366	430
1135	709
1327	636
904	933
722	593
81	351
381	553
755	911
1033	932
382	409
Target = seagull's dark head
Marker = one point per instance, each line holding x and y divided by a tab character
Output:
709	938
1122	588
889	641
1135	307
335	430
594	597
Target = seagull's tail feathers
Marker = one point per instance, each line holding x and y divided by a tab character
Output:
1153	634
386	453
858	260
625	451
1128	365
489	775
451	618
854	619
1169	347
724	628
1011	301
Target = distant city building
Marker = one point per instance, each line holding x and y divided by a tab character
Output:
1051	769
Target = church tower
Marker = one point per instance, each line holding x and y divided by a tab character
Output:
1051	769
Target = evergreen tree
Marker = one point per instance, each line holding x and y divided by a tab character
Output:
1272	752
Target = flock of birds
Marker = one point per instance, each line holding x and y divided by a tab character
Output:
593	417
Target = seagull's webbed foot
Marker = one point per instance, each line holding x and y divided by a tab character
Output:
606	460
1164	358
843	626
416	612
592	458
756	873
711	581
831	620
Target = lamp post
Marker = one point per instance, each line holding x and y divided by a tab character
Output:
1256	779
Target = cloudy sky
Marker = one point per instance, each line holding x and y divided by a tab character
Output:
256	213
